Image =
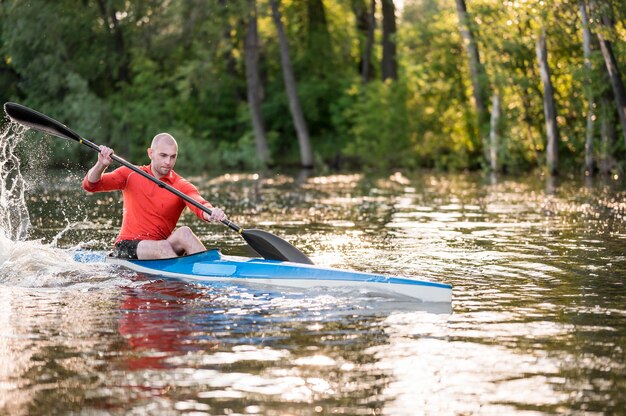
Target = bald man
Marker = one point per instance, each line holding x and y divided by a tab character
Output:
150	213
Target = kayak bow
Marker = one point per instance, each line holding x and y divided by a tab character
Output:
213	266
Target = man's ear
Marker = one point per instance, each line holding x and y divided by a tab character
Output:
150	153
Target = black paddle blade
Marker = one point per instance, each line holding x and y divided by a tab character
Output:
35	120
273	247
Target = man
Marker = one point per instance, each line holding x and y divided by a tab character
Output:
150	212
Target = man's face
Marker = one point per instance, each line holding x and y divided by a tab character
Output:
163	157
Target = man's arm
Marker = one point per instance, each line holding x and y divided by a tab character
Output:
217	214
98	181
104	160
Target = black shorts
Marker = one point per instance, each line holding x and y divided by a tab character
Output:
126	249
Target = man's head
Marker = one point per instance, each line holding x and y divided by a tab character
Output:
163	152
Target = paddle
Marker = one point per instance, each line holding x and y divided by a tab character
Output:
267	245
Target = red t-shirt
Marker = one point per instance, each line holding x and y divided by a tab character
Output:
150	212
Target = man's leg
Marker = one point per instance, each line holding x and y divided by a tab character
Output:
182	241
151	249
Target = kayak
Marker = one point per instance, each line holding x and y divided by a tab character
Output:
212	266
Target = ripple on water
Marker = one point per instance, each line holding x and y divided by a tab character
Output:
536	325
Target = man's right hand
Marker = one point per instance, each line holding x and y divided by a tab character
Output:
104	157
104	160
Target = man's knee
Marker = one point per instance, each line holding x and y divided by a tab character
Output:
187	232
184	241
183	234
181	238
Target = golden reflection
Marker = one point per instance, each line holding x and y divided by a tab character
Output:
315	361
332	251
445	377
290	384
399	178
227	178
15	359
47	340
335	179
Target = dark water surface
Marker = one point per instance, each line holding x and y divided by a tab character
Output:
537	323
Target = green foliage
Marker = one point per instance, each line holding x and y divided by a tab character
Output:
380	126
120	72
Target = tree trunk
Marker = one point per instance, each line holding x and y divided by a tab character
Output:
365	25
109	15
253	84
616	79
228	56
494	133
526	92
477	75
319	60
306	153
528	121
549	108
367	69
589	156
389	64
607	133
319	35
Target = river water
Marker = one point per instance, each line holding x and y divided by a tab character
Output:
537	323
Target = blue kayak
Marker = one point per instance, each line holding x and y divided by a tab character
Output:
213	266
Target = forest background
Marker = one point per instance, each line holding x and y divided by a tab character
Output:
368	84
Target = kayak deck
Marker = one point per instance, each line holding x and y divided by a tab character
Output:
212	265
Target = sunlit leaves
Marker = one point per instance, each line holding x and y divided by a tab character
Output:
121	71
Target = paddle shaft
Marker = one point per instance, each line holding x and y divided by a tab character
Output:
160	183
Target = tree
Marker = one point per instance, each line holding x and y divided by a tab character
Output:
549	107
228	56
589	158
389	63
477	76
110	15
612	67
365	25
608	135
319	44
494	133
253	84
306	152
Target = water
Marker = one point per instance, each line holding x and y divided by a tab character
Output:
14	218
537	324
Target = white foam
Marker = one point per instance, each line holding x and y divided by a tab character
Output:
31	263
34	264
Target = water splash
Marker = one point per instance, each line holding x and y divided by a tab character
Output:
14	218
31	263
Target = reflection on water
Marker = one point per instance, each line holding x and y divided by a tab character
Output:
538	322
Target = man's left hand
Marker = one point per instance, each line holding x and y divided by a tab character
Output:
217	215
